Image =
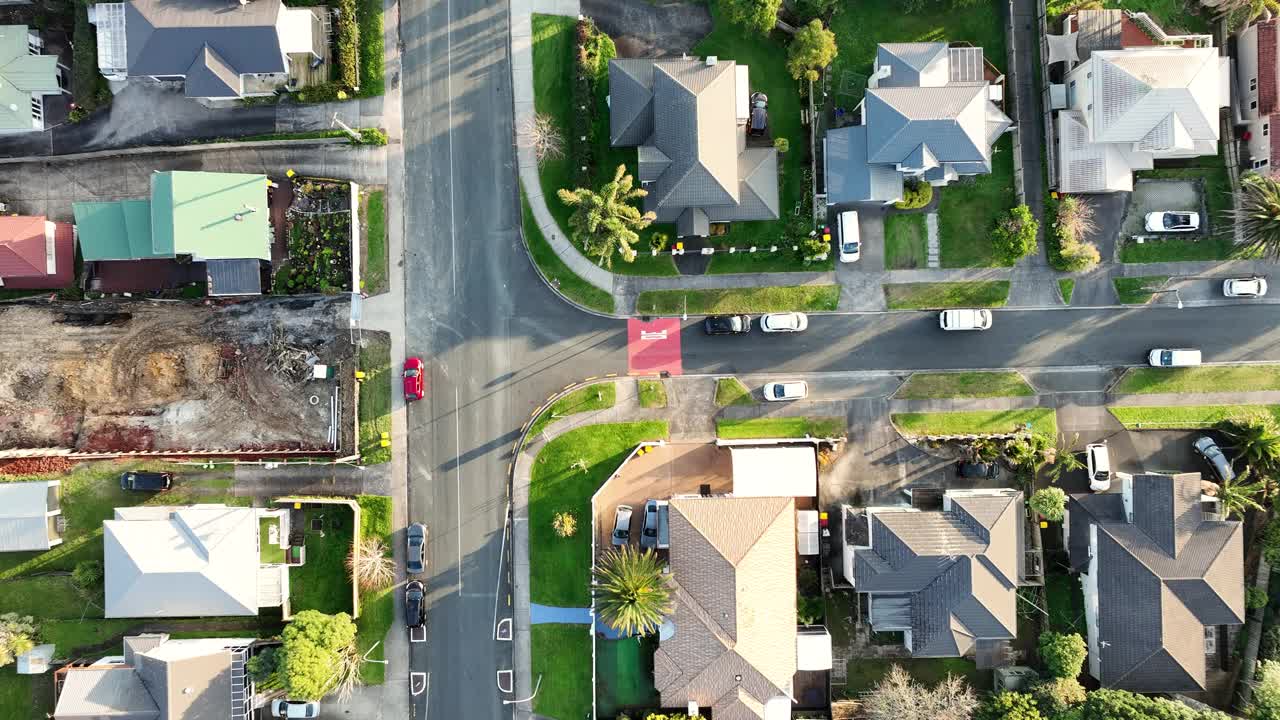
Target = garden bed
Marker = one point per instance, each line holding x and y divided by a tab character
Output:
319	240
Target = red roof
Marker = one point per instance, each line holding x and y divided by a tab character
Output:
1267	67
64	254
22	246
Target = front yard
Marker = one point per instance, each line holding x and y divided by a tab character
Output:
624	674
1210	182
906	241
319	240
322	582
561	656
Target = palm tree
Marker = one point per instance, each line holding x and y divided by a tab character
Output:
1238	496
1257	215
1256	439
631	591
1064	457
605	221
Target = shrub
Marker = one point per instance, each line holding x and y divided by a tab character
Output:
372	567
1074	221
1057	695
87	578
915	194
17	636
1009	706
1270	539
782	145
372	136
565	524
346	44
812	48
1015	235
592	52
1255	597
1079	257
1051	502
1062	653
658	241
1270	647
1266	692
325	92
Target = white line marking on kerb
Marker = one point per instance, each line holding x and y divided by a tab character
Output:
457	475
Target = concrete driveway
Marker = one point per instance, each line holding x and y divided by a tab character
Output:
1156	195
650	28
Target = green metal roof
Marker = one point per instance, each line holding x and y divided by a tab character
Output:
22	74
210	215
119	230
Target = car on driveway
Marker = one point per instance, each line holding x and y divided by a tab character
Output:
790	390
1098	463
1244	287
295	709
415	604
784	322
727	324
850	244
1173	357
414	383
146	481
965	319
1208	449
655	530
416	552
987	470
759	114
622	525
1173	221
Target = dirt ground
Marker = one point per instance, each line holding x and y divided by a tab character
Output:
113	376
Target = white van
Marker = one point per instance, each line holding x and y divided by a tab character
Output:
1173	357
850	242
965	319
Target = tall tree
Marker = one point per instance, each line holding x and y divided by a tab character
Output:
1064	457
313	651
759	15
1239	495
1257	214
605	222
1256	440
812	48
631	591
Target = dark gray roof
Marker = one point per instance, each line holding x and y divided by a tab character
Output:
908	61
630	101
951	121
210	76
849	177
234	277
1161	580
693	221
958	568
164	37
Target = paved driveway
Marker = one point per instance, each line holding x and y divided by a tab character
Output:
650	28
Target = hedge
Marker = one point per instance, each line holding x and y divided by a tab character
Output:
347	44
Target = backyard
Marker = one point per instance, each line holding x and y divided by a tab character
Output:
864	673
322	582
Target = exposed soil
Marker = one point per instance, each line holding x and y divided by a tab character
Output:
108	376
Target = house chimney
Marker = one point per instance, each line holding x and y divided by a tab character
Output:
712	60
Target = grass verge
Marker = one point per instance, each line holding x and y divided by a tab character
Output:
964	385
653	394
1189	417
372	70
1066	287
906	241
556	271
322	583
731	391
562	658
1138	290
592	397
780	427
739	300
926	296
375	239
566	473
1225	378
375	400
980	422
377	609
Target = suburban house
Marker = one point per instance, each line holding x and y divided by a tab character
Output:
1162	577
30	515
1257	74
195	227
946	579
688	117
160	678
26	77
930	114
190	561
36	253
1132	95
219	49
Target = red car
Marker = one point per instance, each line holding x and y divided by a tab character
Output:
413	379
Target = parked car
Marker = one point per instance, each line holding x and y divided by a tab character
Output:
965	319
415	604
1244	287
414	382
792	390
622	525
1098	463
727	324
784	322
1173	221
988	470
655	531
148	481
1173	357
759	114
1206	448
295	709
416	552
850	239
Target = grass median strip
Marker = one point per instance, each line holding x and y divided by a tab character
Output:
979	422
1224	378
590	398
1178	417
1067	288
653	394
780	427
557	272
964	385
1138	290
731	391
926	296
739	300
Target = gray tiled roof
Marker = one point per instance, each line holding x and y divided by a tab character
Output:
630	101
165	36
951	120
908	61
210	76
234	277
849	177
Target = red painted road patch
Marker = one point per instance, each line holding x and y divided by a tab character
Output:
653	347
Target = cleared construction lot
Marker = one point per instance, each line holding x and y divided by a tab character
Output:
166	376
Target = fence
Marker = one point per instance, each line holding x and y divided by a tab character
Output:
1011	102
1046	104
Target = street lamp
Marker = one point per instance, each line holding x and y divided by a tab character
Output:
535	693
1175	292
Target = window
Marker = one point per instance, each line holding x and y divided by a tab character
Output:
1072	85
1260	163
1266	129
1253	85
1089	106
1088	75
1253	105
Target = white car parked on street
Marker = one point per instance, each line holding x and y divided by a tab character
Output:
792	390
964	319
784	322
1173	357
1244	287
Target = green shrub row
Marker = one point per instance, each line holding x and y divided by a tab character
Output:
346	44
592	52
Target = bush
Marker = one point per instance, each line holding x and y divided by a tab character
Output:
1015	235
1009	706
1266	692
658	241
1270	648
1063	654
372	136
1124	705
18	635
565	524
346	44
1073	222
1255	597
782	145
915	194
87	578
1057	695
812	48
592	53
325	92
1079	257
1051	502
88	87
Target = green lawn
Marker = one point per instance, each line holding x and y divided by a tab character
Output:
270	553
592	397
375	400
980	422
322	582
926	296
46	597
1223	378
1138	290
1185	416
556	271
26	697
624	674
964	385
1066	287
968	211
372	80
739	300
731	391
1066	603
567	472
377	609
864	673
653	394
561	655
375	235
781	427
906	241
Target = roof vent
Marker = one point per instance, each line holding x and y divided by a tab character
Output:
712	60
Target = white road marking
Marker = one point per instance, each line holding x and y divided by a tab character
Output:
497	585
457	475
453	228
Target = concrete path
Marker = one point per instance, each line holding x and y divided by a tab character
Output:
547	614
298	479
934	247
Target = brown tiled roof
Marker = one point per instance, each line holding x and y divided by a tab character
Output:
1267	67
734	647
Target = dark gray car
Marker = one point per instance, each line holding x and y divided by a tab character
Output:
416	552
1206	448
415	604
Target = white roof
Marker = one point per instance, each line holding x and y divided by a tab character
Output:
181	562
294	28
105	691
1138	93
807	532
1088	166
36	660
775	471
743	95
813	650
24	508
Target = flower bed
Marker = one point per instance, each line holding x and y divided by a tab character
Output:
319	241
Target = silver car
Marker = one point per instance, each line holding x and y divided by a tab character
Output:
416	548
622	525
